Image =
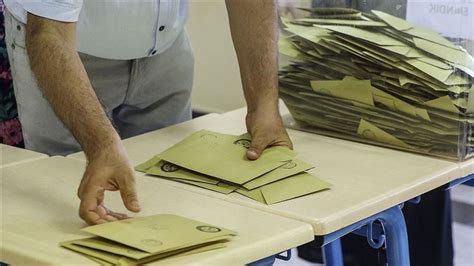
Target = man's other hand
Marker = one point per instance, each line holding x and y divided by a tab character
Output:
267	130
110	170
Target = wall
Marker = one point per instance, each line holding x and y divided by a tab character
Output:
217	86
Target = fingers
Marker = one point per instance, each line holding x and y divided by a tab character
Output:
104	214
111	216
129	194
261	142
283	140
90	202
117	215
80	190
92	210
109	171
256	148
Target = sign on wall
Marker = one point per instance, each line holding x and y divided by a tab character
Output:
451	18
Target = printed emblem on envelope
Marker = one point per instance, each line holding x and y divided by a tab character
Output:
243	142
169	167
208	229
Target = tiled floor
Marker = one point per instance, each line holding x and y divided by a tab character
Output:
463	245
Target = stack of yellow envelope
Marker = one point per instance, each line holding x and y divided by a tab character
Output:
218	162
376	78
143	240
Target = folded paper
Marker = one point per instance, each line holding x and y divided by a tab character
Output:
145	239
275	177
223	157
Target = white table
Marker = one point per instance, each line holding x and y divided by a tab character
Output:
10	155
367	180
466	167
142	147
39	209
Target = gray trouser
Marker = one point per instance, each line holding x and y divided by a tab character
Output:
138	95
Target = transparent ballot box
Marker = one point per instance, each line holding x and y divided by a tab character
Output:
397	74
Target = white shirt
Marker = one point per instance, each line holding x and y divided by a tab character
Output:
114	29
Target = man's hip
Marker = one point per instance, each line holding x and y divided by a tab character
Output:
138	95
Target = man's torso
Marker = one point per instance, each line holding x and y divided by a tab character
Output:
114	29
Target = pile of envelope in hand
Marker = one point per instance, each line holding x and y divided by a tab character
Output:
218	162
377	78
147	239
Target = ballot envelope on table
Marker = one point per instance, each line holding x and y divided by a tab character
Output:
376	78
218	162
147	239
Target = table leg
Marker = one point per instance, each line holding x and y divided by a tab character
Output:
393	234
332	253
394	237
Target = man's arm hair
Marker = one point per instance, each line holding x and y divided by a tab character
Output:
254	31
64	82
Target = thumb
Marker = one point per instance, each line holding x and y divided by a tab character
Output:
256	148
129	196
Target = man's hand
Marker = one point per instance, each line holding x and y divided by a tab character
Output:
108	171
64	82
253	25
266	129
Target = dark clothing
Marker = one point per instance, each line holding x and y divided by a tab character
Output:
10	129
430	229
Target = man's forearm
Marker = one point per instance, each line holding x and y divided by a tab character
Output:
254	31
66	86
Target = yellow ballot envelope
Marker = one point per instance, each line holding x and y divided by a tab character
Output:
224	157
140	240
275	177
291	168
288	188
96	250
